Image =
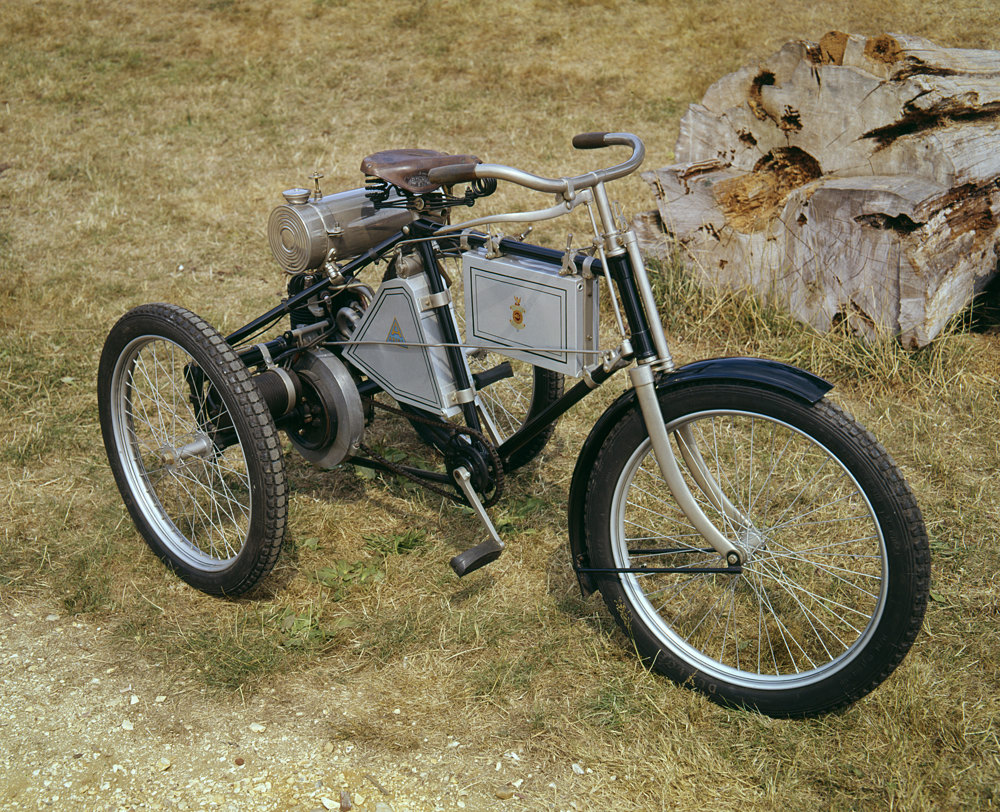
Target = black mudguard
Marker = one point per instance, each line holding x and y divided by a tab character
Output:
755	371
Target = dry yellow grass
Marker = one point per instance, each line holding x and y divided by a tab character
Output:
146	145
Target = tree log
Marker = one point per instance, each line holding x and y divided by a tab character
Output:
854	178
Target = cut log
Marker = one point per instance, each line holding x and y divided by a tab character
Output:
854	178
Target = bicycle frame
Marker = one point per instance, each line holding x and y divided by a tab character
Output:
620	263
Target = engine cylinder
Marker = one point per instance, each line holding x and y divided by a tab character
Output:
304	233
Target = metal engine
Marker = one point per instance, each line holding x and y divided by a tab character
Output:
331	421
316	402
310	230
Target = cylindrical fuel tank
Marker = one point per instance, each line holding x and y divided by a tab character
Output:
305	232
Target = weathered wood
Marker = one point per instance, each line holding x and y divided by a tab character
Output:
852	178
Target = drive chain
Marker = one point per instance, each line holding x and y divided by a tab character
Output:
453	430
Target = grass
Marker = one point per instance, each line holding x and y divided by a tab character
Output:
146	149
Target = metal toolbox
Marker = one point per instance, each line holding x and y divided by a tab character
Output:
524	309
399	344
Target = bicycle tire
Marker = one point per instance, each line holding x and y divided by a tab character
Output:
834	586
193	448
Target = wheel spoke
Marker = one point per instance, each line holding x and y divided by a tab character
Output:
813	578
806	612
196	496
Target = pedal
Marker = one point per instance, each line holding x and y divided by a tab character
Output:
476	557
482	554
490	376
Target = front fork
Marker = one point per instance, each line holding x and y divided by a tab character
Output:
614	243
645	389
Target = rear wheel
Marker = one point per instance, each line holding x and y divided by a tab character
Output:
836	565
193	448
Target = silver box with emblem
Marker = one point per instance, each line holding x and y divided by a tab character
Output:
525	309
398	343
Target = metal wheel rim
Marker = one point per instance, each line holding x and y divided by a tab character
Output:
755	572
224	523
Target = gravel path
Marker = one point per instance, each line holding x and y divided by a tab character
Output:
80	729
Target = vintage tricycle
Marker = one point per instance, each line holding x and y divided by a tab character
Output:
750	537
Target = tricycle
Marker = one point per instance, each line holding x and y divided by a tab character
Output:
748	536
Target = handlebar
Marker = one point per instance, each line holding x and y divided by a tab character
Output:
453	173
589	140
460	173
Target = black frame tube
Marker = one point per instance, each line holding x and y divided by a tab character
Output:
421	473
435	281
638	325
658	570
516	248
552	412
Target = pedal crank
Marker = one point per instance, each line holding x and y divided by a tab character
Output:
482	554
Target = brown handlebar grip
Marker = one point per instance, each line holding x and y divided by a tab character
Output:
452	173
589	140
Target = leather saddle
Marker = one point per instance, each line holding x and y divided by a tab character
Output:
408	168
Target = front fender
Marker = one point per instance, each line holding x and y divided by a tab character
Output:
766	374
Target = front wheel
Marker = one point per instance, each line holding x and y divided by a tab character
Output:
836	566
193	448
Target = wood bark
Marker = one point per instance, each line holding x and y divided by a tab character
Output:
854	178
